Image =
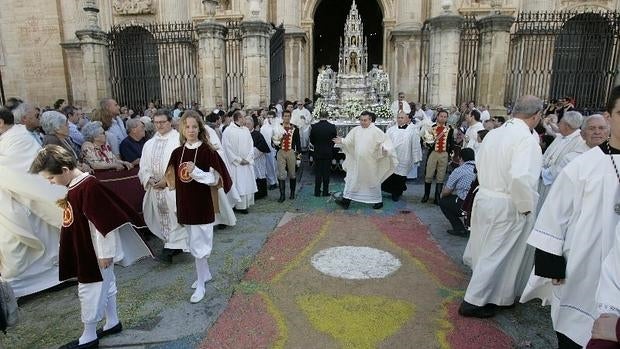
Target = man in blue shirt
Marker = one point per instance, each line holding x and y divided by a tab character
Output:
131	147
455	191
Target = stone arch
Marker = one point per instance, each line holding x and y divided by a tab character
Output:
310	7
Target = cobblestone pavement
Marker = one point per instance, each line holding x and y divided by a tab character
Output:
154	298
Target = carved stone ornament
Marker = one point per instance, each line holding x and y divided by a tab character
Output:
133	7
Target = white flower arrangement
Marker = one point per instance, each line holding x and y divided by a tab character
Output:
383	111
352	110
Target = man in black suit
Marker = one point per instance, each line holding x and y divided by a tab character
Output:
321	135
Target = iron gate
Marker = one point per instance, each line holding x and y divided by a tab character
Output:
154	63
564	54
277	70
467	77
234	62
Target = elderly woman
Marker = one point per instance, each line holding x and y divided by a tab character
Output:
56	129
119	176
96	152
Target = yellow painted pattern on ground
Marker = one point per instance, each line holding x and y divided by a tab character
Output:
279	318
445	326
303	253
356	322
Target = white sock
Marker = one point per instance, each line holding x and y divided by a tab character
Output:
111	315
89	334
207	271
201	269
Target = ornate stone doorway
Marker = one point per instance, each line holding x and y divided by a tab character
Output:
329	19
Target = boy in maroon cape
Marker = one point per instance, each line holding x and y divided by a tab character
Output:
97	231
196	171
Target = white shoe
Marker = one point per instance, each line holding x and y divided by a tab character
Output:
198	295
195	284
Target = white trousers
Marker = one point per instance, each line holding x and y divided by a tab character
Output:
200	239
94	296
271	167
246	202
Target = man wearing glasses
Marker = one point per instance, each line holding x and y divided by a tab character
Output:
159	204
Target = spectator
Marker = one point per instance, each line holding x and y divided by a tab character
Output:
131	147
455	191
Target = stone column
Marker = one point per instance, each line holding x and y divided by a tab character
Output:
212	63
492	61
405	64
295	53
95	66
256	84
77	83
444	58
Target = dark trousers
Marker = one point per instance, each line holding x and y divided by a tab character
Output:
566	343
322	171
451	206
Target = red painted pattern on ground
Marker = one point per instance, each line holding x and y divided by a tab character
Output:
471	333
408	232
282	246
245	324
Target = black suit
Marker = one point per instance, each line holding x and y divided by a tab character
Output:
321	135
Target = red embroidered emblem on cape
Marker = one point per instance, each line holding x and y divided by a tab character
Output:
184	173
67	215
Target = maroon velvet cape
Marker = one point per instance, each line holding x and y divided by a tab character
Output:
89	200
195	204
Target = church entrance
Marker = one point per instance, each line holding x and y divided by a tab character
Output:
329	20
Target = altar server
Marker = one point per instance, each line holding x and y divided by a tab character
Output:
574	232
406	143
98	229
509	163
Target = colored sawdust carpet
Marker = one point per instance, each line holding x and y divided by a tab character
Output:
351	281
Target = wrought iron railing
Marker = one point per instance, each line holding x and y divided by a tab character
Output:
154	63
234	62
467	77
564	54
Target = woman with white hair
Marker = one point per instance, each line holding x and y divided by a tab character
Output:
96	152
56	128
119	176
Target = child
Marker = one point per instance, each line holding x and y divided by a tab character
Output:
97	230
195	171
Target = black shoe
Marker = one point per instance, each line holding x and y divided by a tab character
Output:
166	255
273	187
326	194
293	183
317	194
395	197
427	192
282	193
110	331
378	205
470	310
76	344
344	203
463	233
244	211
221	226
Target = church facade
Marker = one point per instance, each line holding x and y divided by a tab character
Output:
209	51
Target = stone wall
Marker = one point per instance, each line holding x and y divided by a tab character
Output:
33	61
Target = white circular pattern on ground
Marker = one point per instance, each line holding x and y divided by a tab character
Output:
355	262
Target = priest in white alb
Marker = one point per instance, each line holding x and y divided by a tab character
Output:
573	234
239	147
159	205
568	141
406	142
29	216
226	201
508	163
370	160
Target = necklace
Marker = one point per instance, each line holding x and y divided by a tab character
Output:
184	173
613	162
